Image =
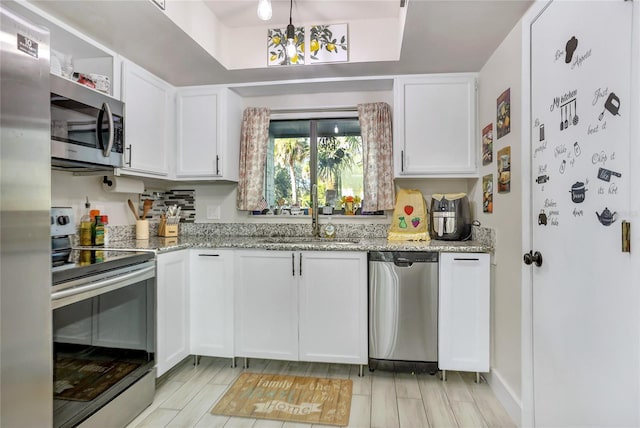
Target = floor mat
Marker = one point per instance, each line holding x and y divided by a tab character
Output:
84	380
288	398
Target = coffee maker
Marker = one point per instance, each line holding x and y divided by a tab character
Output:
450	217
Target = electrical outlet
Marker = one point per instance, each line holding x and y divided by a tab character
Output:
213	212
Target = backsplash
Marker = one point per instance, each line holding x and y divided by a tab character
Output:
185	199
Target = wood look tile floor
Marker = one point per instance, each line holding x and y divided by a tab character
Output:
400	397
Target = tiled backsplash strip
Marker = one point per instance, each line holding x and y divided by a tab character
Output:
185	199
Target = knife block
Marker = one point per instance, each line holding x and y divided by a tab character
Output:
167	230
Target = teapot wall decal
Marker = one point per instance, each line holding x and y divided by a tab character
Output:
606	217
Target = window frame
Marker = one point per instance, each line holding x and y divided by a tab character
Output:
313	119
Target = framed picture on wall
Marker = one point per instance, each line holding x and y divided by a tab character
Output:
503	119
504	170
276	47
487	193
487	144
328	43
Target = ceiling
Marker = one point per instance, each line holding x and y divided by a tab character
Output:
243	13
440	36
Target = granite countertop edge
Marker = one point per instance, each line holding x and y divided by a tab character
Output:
164	245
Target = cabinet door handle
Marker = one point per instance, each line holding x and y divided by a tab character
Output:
217	165
300	265
209	255
130	155
401	160
469	260
293	264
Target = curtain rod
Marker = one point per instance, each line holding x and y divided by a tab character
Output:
315	110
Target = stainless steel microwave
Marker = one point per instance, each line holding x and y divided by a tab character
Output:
87	127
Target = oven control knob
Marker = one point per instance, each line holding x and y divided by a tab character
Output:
63	219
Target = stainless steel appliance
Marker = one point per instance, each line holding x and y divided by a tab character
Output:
403	306
103	312
25	199
87	127
450	217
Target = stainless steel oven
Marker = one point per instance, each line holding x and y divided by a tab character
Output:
87	127
103	317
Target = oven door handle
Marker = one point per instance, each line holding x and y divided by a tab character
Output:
76	294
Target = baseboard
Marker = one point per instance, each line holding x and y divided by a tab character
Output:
505	395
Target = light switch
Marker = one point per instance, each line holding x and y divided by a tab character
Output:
213	212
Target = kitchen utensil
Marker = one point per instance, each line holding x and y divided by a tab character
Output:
605	174
133	208
566	116
562	118
146	206
612	105
575	113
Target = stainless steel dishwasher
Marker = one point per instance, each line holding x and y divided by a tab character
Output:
403	306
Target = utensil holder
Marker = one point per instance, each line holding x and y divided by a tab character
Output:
167	230
142	229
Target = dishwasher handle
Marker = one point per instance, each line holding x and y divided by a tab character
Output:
401	262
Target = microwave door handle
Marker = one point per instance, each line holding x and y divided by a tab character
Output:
105	150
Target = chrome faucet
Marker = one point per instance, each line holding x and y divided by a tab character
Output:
315	226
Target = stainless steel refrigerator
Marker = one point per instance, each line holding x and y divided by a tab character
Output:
25	248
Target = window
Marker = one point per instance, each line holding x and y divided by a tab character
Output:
325	152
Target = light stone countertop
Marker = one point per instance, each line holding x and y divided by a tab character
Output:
163	245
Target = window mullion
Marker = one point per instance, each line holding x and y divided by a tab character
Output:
313	148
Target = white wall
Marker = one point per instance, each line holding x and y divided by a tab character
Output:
68	190
502	71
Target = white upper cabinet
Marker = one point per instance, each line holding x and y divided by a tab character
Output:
208	137
149	124
435	126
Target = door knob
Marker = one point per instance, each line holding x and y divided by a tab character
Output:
532	257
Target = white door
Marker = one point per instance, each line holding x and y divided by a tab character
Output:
585	306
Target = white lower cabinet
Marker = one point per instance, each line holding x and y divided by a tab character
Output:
463	313
333	307
172	328
308	306
266	305
211	302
